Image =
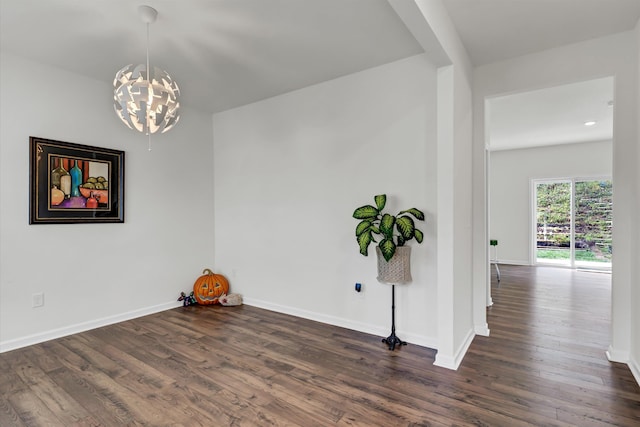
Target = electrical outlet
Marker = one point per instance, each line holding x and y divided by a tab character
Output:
38	299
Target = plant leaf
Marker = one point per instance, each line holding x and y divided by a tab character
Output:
388	248
405	227
375	229
381	201
400	240
418	214
362	227
419	235
386	225
363	241
365	212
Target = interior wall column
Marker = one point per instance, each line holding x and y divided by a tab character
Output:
445	219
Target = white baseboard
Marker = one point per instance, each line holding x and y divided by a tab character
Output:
617	355
482	330
635	369
82	327
412	338
513	262
453	361
416	339
421	340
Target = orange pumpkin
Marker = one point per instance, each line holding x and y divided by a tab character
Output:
209	287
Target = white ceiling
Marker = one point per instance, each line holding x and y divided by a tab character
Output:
222	53
552	116
493	30
227	53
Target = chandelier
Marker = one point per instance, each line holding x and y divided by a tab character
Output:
146	101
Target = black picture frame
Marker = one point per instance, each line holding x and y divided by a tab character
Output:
73	183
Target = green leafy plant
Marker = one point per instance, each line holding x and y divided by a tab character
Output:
394	230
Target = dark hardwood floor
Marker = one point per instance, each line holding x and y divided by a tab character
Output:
543	365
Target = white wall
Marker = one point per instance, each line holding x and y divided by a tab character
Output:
634	357
375	113
463	314
289	172
456	314
616	56
510	180
139	266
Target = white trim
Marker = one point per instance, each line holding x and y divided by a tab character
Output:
14	344
487	206
533	221
618	356
512	262
454	362
82	327
417	339
483	330
635	369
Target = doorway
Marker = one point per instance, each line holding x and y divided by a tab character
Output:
623	102
557	132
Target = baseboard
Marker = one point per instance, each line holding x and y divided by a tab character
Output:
453	361
82	327
421	340
513	262
482	330
14	344
416	339
617	355
635	369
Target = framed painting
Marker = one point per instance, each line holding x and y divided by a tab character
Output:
73	183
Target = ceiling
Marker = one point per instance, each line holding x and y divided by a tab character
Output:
222	53
227	53
493	30
552	116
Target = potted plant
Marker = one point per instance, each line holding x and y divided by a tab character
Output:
394	230
393	255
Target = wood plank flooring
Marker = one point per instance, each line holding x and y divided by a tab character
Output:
543	365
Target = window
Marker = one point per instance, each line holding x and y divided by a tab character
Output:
573	222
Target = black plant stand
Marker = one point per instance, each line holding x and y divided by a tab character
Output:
392	340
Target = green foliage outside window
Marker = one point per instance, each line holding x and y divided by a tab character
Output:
592	213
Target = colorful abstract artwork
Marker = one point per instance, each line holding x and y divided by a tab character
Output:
71	183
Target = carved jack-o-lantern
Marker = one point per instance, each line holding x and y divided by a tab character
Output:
209	287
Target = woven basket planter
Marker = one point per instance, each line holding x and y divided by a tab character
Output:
398	270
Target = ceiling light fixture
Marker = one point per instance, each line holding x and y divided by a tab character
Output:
145	104
589	123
